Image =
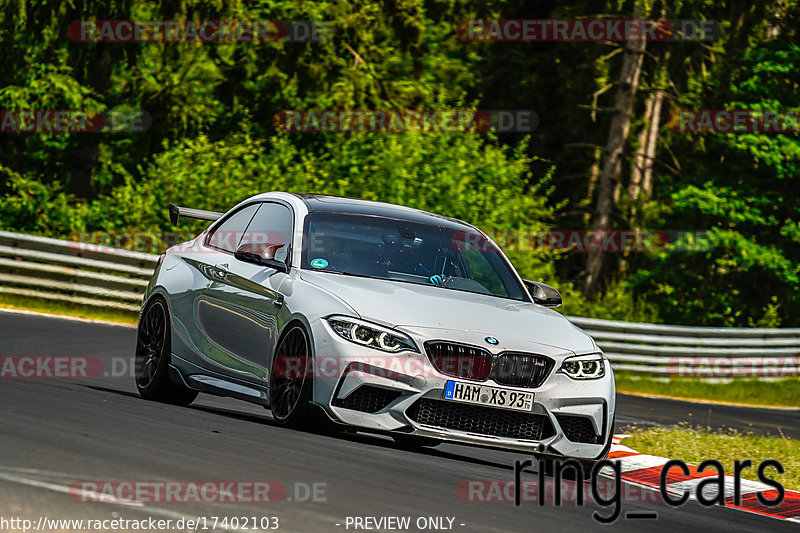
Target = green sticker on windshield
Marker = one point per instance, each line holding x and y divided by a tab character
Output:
319	263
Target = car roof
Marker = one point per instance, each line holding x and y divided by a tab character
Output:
322	203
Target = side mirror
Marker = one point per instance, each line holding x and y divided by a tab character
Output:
261	254
543	294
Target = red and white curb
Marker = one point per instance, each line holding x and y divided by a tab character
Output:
645	470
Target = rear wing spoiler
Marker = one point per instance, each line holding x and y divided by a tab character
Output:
176	212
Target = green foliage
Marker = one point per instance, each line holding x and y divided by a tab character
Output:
33	207
695	446
782	392
461	175
212	142
615	302
742	189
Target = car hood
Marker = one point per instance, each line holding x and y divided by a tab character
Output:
424	309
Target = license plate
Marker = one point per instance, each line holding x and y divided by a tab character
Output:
458	391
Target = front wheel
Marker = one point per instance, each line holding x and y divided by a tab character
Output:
153	351
290	382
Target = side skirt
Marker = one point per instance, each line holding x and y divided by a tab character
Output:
202	380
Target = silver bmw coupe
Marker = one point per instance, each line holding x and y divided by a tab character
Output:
375	317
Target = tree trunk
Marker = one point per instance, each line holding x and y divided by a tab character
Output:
594	172
652	142
639	160
612	166
635	182
85	162
95	72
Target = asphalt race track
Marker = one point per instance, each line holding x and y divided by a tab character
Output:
57	432
661	411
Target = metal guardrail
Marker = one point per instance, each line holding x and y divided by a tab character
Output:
692	351
77	273
110	278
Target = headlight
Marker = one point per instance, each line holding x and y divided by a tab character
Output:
590	366
371	335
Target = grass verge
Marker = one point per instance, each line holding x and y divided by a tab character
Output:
8	301
781	393
693	446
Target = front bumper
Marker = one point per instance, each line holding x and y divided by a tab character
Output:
400	383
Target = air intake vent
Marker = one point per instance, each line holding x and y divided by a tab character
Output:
578	429
522	369
367	399
481	420
459	360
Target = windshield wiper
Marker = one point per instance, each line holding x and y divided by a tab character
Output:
344	273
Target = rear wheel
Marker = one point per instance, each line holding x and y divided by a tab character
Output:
290	382
153	352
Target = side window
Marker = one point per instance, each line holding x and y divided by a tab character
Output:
482	271
227	235
272	224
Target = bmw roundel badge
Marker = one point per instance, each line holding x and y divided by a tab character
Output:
492	341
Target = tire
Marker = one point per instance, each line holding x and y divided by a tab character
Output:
153	355
410	442
291	380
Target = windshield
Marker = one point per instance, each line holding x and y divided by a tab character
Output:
402	250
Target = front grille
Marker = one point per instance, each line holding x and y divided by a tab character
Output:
367	399
578	429
522	369
480	420
460	360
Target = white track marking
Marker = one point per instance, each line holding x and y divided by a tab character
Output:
639	461
65	489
